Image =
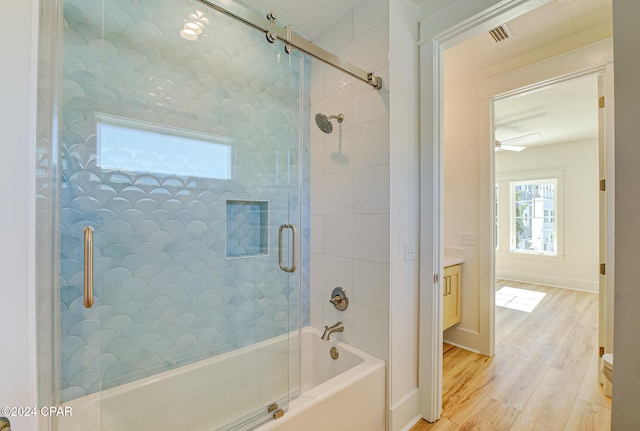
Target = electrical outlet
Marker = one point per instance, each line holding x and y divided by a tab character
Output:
467	239
409	250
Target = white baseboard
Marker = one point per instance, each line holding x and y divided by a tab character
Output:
461	346
464	338
549	280
404	414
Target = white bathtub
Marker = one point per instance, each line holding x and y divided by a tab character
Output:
347	394
344	394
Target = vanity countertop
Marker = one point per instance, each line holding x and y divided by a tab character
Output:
450	260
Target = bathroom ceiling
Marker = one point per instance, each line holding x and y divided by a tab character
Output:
553	26
559	110
560	113
564	112
311	17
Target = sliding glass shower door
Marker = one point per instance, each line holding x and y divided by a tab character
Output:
180	193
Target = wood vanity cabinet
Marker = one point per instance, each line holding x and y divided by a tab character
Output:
452	303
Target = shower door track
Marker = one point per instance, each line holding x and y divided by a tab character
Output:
273	32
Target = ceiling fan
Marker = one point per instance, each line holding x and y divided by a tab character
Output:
511	144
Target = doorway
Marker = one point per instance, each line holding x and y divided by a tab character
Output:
445	31
545	169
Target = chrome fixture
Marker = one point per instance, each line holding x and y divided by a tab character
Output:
339	299
273	31
333	352
328	330
294	235
324	122
271	37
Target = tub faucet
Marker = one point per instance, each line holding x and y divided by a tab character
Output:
328	330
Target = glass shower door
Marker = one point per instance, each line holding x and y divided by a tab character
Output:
180	175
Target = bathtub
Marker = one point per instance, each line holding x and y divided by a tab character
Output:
343	394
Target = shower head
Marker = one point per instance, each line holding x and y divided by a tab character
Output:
324	122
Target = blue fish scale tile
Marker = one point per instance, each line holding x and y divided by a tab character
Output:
133	262
208	336
70	293
118	346
102	338
70	318
85	354
145	272
118	322
147	206
114	372
166	293
133	331
187	279
135	354
102	362
147	340
84	329
69	345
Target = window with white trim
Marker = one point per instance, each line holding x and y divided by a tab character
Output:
528	208
533	227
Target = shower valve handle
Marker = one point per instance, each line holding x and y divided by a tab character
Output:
339	299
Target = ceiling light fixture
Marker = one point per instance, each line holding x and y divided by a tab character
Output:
195	26
517	143
499	146
193	29
529	138
188	34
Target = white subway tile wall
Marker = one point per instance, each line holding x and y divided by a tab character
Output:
350	182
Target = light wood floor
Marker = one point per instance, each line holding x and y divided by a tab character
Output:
543	375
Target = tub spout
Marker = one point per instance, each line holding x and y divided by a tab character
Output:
328	330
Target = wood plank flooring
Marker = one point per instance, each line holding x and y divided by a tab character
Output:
543	375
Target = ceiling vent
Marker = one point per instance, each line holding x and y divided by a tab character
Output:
500	33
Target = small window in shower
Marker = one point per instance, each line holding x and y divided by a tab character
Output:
247	228
133	146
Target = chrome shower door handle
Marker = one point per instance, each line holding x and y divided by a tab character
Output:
88	267
294	235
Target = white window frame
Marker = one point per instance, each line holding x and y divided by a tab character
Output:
513	218
206	155
506	245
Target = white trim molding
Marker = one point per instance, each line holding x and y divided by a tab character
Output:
450	24
455	22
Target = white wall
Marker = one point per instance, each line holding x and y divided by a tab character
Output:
462	189
374	193
578	267
405	211
626	375
350	190
18	34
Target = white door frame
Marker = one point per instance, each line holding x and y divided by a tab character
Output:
450	25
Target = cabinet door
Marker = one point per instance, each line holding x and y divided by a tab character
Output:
452	298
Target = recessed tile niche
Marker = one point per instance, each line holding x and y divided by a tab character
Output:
247	228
